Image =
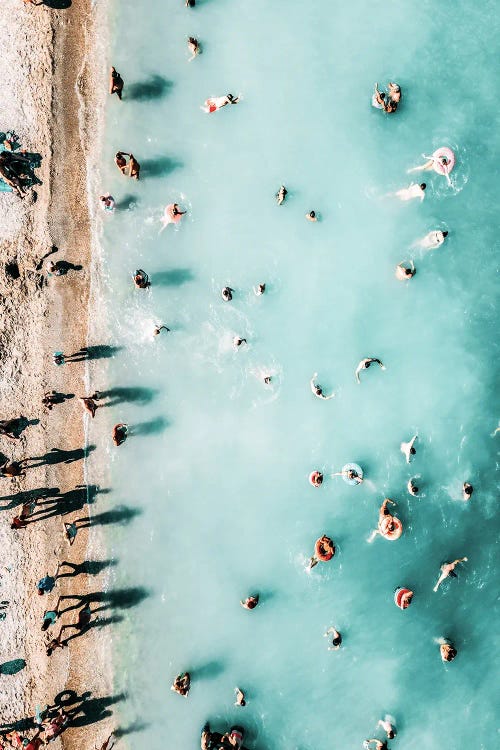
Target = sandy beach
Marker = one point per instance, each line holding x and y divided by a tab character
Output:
47	90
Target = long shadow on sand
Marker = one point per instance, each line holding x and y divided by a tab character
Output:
88	567
57	4
58	456
84	710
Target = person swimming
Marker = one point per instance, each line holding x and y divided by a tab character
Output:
408	450
448	570
375	744
433	239
217	102
227	294
107	202
141	279
240	697
467	490
194	47
250	602
405	270
412	488
447	649
394	92
318	390
182	684
259	290
387	724
281	195
237	342
158	329
412	191
336	639
365	364
378	98
311	216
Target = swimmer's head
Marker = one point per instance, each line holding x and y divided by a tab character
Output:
318	390
423	186
382	95
312	214
408	272
412	451
445	234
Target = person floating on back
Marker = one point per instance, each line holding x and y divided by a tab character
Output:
217	102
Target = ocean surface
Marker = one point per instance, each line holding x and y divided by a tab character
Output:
211	488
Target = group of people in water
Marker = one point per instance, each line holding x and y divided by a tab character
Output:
389	526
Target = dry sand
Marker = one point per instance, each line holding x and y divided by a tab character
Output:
47	91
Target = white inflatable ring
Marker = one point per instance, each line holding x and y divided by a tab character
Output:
353	467
444	160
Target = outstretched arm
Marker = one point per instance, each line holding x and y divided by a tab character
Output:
358	370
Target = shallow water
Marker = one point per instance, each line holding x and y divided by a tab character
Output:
214	476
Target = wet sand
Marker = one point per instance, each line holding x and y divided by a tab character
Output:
49	92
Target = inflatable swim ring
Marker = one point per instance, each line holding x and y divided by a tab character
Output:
316	478
169	217
237	736
355	468
444	160
395	533
324	549
398	598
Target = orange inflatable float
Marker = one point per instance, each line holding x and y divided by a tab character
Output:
316	478
324	549
392	529
402	598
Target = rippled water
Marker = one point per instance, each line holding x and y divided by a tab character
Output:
214	476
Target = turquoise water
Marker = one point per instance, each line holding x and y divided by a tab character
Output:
216	468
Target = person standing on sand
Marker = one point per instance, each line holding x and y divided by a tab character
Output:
56	642
13	469
46	584
115	83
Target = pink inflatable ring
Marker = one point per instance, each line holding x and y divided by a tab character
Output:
444	160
